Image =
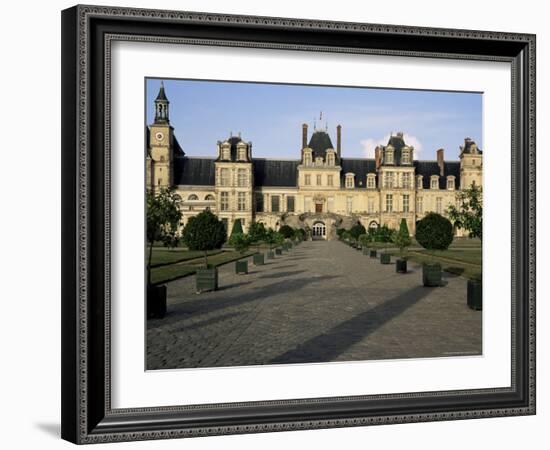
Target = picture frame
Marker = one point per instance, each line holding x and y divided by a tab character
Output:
87	413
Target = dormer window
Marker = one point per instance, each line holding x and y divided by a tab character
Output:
350	180
389	155
406	156
226	152
419	182
451	183
371	181
241	152
434	182
330	158
307	157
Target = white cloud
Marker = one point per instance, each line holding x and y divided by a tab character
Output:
368	145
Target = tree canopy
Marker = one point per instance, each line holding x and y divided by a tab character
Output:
434	232
204	232
402	238
468	213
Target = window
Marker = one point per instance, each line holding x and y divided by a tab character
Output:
405	203
192	197
450	183
290	203
419	182
319	180
330	159
241	178
307	158
349	205
371	205
388	179
225	152
389	202
434	184
275	203
370	181
224	177
389	156
241	201
438	206
209	198
307	180
405	157
419	206
330	180
406	180
259	202
241	156
349	180
224	201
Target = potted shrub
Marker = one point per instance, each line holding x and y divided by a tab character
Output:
402	240
431	274
385	258
205	232
241	243
364	241
373	253
163	224
434	232
475	293
272	239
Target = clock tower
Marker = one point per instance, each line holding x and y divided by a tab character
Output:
159	158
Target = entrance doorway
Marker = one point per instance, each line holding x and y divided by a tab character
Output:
319	231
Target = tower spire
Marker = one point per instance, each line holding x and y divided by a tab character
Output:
161	106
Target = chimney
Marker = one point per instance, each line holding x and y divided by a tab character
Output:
377	157
304	135
441	162
339	141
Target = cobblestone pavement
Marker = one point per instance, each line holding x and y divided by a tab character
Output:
319	302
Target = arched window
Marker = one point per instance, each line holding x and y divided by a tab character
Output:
192	197
209	198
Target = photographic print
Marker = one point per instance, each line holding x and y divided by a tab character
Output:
292	224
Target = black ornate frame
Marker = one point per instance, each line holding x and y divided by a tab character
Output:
87	32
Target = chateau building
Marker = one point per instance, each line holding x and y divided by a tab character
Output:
322	190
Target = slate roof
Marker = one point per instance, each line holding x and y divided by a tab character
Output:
319	143
276	173
468	146
397	142
161	95
360	167
234	140
429	168
194	171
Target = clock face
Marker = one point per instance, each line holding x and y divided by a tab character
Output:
159	136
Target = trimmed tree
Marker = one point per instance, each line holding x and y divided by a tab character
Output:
468	213
204	232
237	228
256	233
356	231
402	238
434	232
287	231
163	221
364	240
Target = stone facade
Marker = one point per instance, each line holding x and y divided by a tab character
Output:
321	191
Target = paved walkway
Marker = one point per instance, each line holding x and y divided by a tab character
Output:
322	301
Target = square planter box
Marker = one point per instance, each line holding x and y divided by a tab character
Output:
207	279
241	267
365	251
278	251
270	254
385	258
258	259
475	294
373	254
156	302
431	274
401	265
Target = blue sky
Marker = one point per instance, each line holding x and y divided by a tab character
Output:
271	116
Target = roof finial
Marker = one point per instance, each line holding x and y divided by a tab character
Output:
314	124
231	133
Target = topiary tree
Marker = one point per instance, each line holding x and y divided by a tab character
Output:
237	228
468	213
204	232
356	231
434	232
256	233
163	221
241	242
402	238
364	240
287	231
383	234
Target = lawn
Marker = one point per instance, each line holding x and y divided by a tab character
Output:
165	273
163	256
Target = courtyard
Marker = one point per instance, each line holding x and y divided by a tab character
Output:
321	301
